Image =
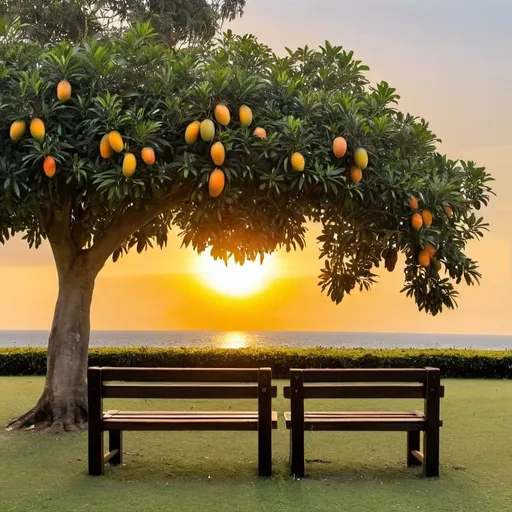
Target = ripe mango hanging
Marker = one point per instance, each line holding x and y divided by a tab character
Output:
298	162
339	147
49	166
192	132
216	183
64	91
106	150
218	153
245	115
129	165
116	141
148	155
37	129
18	129
222	115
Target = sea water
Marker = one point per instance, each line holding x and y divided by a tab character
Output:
240	339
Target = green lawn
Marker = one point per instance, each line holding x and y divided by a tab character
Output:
203	472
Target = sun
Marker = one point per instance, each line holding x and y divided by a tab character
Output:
233	279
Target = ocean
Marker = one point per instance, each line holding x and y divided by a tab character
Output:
240	339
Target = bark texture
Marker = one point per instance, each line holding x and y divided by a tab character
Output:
63	404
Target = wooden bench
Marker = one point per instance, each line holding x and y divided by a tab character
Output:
385	383
101	385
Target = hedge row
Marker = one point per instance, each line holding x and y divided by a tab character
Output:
453	363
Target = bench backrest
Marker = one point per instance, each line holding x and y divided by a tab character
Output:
103	383
378	383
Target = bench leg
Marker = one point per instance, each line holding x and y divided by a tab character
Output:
265	451
290	450
96	452
297	423
431	452
297	453
115	442
413	443
264	422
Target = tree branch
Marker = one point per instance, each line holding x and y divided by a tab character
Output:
130	222
58	231
43	220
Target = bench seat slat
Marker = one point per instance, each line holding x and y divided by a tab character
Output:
177	420
365	414
167	413
171	415
347	421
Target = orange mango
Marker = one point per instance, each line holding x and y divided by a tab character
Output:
218	153
416	221
356	174
116	141
339	147
424	258
37	129
64	90
222	115
216	183
245	115
106	150
448	210
148	155
192	132
129	165
18	129
430	249
260	132
427	218
49	166
298	162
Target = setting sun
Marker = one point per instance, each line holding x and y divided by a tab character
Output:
233	279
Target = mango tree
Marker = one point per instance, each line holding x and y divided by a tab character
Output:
235	148
177	21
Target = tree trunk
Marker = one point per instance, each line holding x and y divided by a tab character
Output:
63	404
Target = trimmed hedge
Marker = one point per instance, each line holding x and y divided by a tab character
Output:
453	363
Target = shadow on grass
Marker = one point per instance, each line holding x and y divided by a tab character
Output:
215	472
223	456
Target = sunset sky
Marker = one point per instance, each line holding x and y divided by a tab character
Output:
450	63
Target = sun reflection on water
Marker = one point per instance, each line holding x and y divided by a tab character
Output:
234	340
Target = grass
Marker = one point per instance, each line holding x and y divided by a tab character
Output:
203	472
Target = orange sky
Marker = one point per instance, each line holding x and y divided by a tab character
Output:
449	65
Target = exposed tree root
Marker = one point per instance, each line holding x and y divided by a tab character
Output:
54	415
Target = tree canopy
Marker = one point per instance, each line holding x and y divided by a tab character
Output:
190	21
150	94
107	145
